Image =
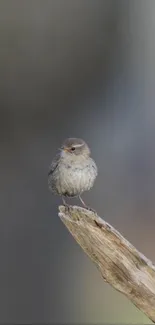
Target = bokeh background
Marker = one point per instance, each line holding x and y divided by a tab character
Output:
81	68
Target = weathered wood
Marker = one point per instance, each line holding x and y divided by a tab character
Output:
119	262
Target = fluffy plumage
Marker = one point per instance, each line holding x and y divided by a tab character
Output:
72	171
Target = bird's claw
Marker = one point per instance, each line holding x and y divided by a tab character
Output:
90	209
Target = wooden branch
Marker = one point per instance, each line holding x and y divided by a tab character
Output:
120	263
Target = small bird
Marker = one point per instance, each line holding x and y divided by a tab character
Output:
72	171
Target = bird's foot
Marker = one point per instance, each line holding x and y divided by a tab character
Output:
85	206
90	209
67	206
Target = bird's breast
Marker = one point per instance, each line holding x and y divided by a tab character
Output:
73	179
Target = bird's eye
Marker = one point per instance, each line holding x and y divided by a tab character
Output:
73	148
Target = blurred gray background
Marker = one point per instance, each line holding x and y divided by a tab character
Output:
79	68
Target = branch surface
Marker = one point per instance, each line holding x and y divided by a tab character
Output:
119	262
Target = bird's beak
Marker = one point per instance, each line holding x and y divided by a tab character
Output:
66	149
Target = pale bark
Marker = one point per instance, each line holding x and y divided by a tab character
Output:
119	262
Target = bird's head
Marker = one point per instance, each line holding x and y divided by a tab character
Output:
75	147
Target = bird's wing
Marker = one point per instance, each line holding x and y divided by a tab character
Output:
54	164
